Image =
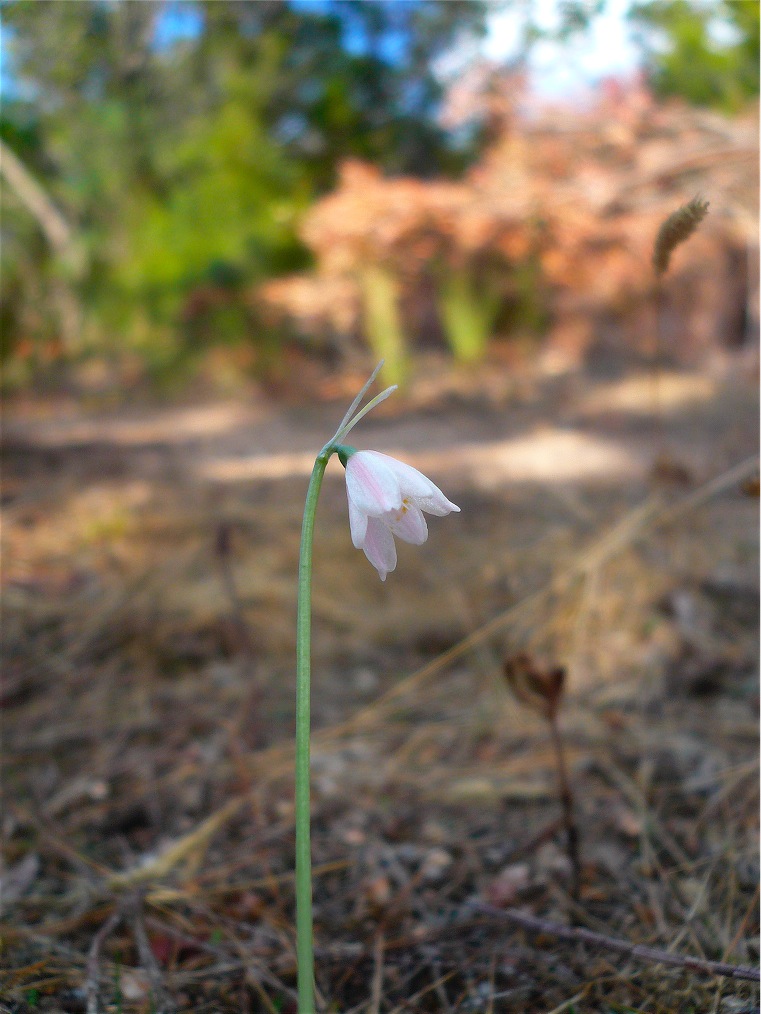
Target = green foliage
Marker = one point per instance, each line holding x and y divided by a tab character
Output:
182	163
704	51
383	327
468	312
707	53
226	220
356	77
480	300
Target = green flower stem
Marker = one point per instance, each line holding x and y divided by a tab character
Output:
304	932
304	941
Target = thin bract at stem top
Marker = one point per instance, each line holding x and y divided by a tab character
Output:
350	420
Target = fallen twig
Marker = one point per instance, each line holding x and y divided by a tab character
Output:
577	934
376	990
161	1002
93	959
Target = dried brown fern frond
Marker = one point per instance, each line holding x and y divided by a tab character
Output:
678	227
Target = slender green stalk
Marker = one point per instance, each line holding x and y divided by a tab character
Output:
304	943
304	932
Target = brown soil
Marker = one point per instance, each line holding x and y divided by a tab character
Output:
149	582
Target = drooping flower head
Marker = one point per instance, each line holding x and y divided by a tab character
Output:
387	498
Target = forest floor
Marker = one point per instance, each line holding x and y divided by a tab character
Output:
149	562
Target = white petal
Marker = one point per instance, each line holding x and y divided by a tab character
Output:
357	524
408	524
436	503
411	481
379	547
371	485
417	487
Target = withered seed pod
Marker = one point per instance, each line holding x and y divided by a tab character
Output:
538	687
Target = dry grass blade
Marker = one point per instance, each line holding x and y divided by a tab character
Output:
649	515
147	766
180	851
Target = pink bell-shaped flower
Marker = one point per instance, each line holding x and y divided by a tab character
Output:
387	498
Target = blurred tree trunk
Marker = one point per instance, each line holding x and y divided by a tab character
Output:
59	235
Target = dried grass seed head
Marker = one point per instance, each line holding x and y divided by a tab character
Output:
677	228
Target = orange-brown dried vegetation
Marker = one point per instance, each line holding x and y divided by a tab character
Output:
576	195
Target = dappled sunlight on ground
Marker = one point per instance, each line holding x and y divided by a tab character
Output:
130	427
545	456
149	572
647	393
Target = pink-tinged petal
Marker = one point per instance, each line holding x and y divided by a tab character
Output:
371	485
358	525
411	482
379	547
408	524
418	487
436	503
